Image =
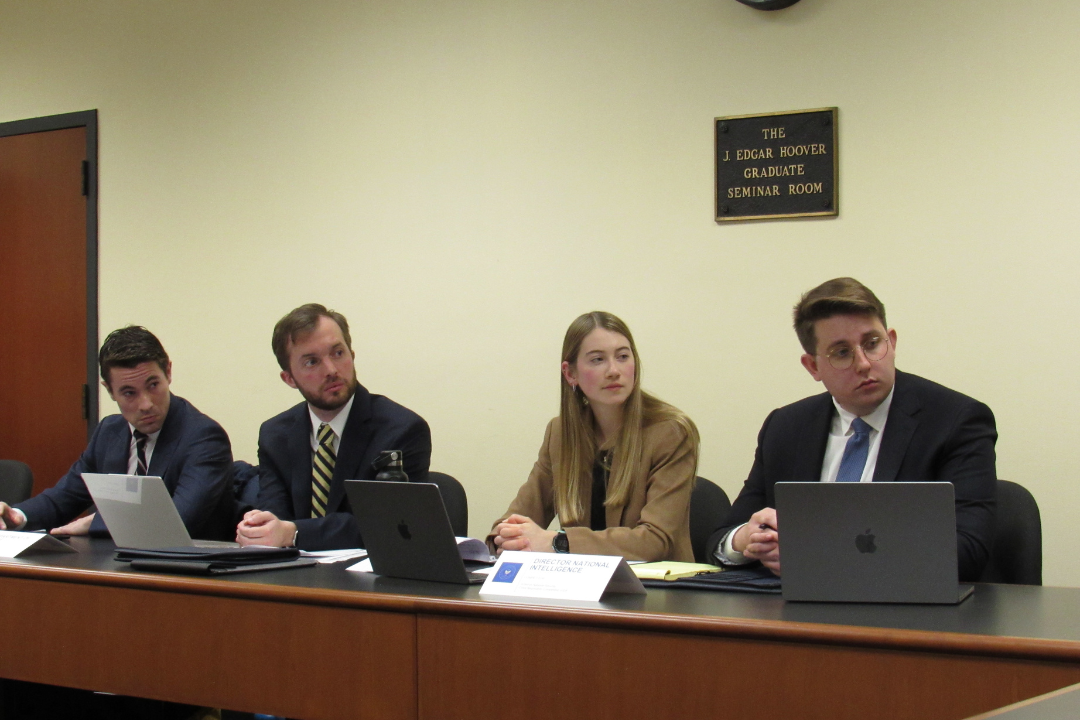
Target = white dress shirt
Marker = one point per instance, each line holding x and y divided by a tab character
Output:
133	451
337	425
840	432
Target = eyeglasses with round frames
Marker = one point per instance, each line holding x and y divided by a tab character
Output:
873	349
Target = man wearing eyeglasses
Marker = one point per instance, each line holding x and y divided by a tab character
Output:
874	424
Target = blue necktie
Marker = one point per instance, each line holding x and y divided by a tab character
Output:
858	446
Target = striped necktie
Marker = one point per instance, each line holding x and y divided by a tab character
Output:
855	452
322	470
140	452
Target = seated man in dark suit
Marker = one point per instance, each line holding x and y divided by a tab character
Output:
156	433
875	424
307	452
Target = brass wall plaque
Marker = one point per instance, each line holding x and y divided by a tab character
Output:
777	165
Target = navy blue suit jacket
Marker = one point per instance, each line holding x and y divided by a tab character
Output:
375	423
932	433
192	456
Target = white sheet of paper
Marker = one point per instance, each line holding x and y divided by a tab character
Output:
13	544
556	576
362	566
473	549
333	556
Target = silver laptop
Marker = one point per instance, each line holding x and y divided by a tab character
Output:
140	513
407	532
889	542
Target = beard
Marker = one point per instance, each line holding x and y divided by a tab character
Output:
332	402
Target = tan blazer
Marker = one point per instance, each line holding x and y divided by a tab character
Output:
654	524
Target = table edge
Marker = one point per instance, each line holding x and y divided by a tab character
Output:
735	628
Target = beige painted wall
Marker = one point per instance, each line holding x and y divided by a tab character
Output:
462	178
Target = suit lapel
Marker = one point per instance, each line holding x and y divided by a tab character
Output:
166	441
613	514
299	448
899	428
352	449
810	453
116	456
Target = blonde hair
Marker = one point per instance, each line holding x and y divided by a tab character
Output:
577	454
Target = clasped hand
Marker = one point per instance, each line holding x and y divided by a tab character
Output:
262	527
759	539
518	532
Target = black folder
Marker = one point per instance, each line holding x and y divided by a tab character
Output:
755	579
213	561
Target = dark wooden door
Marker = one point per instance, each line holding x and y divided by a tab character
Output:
43	300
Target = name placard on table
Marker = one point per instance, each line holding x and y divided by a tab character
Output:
554	576
14	544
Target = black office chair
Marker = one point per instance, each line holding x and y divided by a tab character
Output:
455	500
1016	556
16	481
708	506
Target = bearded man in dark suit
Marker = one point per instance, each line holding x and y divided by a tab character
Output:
307	452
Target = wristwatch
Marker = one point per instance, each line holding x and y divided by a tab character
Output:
560	543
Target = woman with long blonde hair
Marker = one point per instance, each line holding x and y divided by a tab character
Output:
617	465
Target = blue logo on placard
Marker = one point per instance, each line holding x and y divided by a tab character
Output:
507	572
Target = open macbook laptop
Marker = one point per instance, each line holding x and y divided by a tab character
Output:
407	533
140	513
889	542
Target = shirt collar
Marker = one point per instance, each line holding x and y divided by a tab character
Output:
875	420
152	437
337	424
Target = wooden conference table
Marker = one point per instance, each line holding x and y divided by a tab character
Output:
323	642
1063	704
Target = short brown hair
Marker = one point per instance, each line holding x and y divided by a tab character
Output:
302	321
128	347
839	296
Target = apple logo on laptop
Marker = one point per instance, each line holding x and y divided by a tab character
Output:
865	542
404	530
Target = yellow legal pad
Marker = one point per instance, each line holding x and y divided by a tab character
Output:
671	570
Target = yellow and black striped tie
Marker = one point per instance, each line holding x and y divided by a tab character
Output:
322	470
